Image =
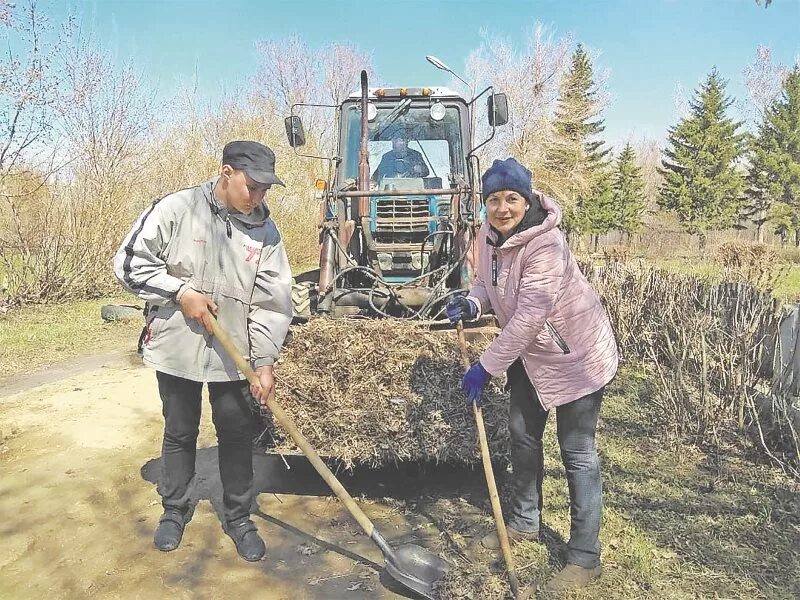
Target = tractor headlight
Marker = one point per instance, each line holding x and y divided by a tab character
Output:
437	111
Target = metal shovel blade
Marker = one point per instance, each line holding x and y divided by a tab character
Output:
416	568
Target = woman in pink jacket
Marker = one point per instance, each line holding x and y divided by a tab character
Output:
558	350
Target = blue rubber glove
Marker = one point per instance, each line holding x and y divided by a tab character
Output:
474	381
459	308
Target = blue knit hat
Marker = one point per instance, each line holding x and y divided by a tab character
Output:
507	175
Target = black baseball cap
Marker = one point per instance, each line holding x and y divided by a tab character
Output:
253	158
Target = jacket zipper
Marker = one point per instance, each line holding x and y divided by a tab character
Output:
557	337
215	284
552	330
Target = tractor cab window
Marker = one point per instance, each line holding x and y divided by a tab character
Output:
407	148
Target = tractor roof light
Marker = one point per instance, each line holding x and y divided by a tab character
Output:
320	187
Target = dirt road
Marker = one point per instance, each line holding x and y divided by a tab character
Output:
79	457
78	500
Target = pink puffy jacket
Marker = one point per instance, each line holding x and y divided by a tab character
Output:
550	316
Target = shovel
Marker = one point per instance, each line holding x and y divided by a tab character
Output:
410	565
502	534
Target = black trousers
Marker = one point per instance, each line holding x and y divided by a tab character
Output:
577	425
233	420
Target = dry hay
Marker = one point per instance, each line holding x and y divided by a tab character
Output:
385	391
756	263
474	581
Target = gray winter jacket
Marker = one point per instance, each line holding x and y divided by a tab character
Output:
189	239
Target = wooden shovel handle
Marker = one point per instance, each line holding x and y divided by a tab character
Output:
288	424
494	497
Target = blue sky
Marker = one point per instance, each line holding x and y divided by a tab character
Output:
649	47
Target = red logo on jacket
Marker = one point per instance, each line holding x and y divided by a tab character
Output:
251	253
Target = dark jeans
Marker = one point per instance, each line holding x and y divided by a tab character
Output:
233	420
577	424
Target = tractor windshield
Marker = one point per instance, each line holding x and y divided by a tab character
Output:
406	141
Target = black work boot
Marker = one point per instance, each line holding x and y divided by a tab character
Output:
170	528
249	544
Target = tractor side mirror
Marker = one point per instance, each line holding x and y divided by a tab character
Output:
294	131
498	109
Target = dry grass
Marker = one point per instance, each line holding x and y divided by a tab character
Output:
33	337
757	264
384	391
678	523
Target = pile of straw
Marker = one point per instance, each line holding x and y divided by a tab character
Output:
385	391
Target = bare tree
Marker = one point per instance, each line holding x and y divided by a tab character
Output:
28	92
682	102
291	72
74	153
5	12
105	115
763	79
287	73
342	65
530	77
648	158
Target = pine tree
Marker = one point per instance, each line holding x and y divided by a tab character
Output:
629	200
783	218
702	184
775	161
596	214
577	153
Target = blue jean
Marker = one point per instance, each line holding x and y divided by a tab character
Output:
577	425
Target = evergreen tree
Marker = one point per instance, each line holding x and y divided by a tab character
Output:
702	184
783	218
775	161
577	154
629	200
596	214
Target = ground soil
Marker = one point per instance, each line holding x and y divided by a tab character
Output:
80	461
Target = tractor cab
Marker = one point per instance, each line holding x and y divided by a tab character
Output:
416	142
400	207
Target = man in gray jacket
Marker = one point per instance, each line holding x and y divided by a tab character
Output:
211	249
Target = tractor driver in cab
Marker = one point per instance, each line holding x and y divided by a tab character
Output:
401	161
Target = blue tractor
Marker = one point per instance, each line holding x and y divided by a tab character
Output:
401	205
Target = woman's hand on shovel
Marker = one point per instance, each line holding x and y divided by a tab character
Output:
474	381
266	379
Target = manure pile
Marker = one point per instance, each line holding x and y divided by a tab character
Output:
380	392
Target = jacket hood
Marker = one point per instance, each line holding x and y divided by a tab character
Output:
530	226
255	219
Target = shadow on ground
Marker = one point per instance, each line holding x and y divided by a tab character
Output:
409	503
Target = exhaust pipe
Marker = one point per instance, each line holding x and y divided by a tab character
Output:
363	160
326	264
